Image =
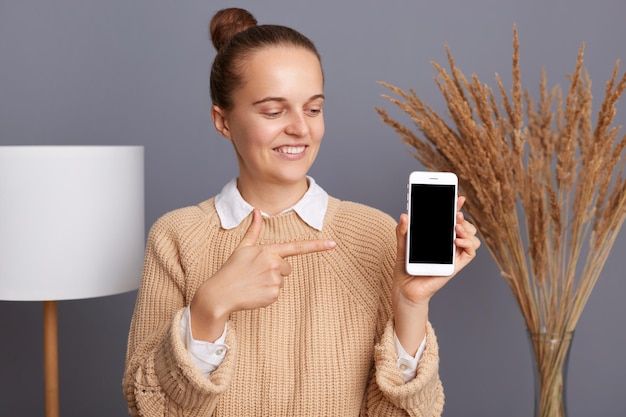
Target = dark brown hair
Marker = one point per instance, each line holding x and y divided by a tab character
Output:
236	37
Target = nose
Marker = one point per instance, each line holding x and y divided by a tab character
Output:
297	125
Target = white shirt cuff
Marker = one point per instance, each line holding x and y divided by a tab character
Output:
406	362
206	356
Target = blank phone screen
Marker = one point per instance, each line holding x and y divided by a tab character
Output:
432	223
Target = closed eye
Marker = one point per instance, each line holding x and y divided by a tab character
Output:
315	105
273	114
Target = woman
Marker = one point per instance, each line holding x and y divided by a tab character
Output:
273	298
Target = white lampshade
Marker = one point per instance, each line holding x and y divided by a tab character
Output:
71	221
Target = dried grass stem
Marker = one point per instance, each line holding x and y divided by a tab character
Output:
545	188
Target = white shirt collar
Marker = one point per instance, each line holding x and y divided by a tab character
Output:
232	208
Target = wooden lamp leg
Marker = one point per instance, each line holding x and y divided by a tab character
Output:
51	358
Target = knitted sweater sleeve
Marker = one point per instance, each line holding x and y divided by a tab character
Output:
421	397
388	394
160	379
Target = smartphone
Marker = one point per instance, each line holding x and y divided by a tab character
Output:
431	206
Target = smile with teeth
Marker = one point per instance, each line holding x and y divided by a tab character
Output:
290	149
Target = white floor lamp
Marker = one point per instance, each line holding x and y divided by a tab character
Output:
71	227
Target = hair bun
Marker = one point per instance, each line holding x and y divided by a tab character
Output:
227	23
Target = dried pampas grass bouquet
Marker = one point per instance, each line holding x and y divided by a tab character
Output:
546	187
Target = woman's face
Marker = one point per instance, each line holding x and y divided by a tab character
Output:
276	123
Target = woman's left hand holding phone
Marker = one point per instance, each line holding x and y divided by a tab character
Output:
411	295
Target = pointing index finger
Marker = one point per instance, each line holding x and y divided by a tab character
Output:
302	247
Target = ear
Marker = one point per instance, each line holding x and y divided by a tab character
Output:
220	121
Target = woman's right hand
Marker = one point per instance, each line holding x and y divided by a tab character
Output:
251	278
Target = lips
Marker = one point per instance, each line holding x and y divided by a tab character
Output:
291	150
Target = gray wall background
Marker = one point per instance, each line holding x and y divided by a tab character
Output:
115	72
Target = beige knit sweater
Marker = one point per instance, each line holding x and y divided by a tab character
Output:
325	348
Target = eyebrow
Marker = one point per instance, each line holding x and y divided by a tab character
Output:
282	99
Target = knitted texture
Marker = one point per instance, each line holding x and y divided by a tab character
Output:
325	348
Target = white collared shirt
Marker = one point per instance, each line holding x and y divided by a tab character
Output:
232	209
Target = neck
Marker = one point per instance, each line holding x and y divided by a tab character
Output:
272	198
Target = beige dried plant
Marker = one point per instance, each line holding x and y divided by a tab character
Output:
545	188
